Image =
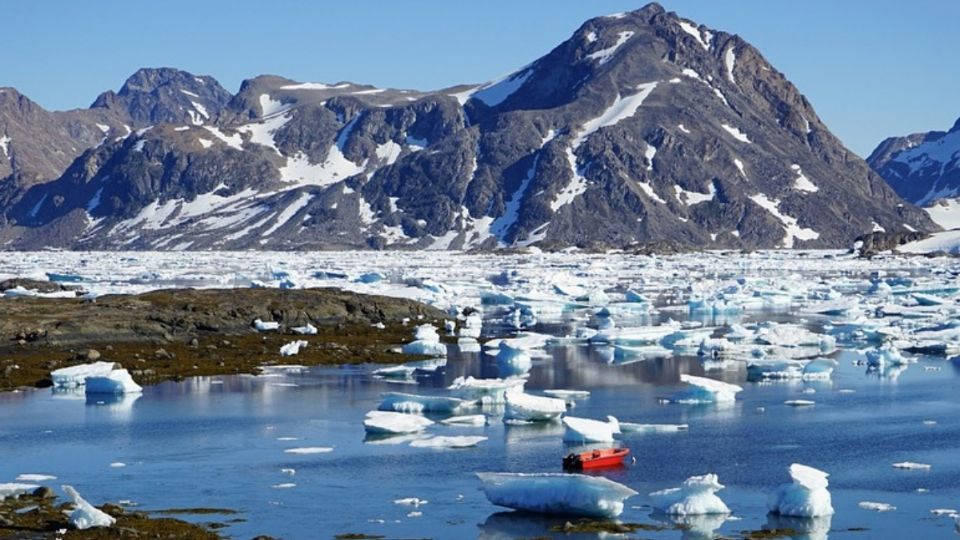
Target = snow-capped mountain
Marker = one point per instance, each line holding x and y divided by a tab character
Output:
923	168
643	128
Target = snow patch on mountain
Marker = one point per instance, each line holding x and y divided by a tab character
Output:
604	55
790	227
802	183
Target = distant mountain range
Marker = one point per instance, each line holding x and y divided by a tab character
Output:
641	129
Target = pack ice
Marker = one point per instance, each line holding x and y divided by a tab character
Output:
806	496
391	423
556	493
697	495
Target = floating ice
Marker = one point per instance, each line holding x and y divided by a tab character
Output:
467	420
416	404
265	326
697	495
410	501
876	506
799	403
705	390
292	348
462	441
774	369
34	477
305	330
886	356
472	326
586	430
117	381
523	407
74	376
556	493
426	341
630	427
309	450
486	391
909	465
382	422
513	360
84	515
568	394
806	497
818	369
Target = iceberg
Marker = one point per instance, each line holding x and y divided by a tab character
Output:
513	360
886	356
467	420
806	496
586	430
567	394
556	493
426	341
523	407
117	381
486	391
262	326
819	369
292	348
416	404
441	441
84	515
407	370
696	496
774	369
74	376
14	489
705	390
381	422
472	326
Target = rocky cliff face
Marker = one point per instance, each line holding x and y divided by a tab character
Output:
923	167
643	128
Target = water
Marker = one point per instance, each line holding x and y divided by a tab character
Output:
216	442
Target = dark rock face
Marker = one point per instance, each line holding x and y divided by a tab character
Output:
923	167
642	129
165	95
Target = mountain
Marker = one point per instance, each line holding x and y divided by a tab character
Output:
643	128
922	168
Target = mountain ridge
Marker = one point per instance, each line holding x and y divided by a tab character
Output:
641	128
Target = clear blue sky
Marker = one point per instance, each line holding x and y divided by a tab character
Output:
871	68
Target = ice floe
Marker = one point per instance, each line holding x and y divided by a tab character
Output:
806	496
697	495
556	493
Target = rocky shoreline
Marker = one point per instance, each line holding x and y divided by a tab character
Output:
176	333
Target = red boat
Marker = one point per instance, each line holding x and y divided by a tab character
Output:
595	459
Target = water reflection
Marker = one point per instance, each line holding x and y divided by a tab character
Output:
700	527
817	528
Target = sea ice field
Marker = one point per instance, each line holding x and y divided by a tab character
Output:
737	365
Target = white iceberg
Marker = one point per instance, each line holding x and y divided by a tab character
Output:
74	376
442	441
774	369
388	423
426	341
886	356
911	466
292	348
305	330
472	326
417	404
556	493
117	381
586	430
262	326
486	391
523	407
513	360
466	420
703	390
696	496
819	369
806	496
84	515
568	394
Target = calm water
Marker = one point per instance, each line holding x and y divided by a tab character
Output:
216	442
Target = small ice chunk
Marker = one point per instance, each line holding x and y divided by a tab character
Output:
117	465
909	465
799	403
305	330
486	391
523	407
442	441
806	497
292	348
705	390
13	489
585	430
262	326
556	493
568	394
876	506
630	427
84	515
467	420
696	496
118	381
382	422
35	477
410	501
308	450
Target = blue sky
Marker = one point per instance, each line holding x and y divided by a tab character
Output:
871	68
